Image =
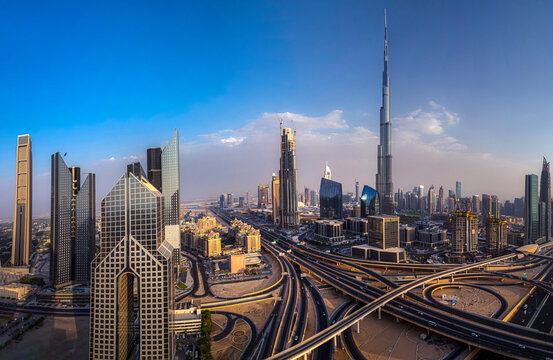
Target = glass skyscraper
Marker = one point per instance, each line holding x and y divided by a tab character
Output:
370	202
384	184
73	224
330	198
458	189
23	206
61	257
170	179
545	200
531	219
133	251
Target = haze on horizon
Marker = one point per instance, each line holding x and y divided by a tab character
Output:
470	92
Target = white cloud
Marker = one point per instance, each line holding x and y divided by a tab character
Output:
426	128
321	129
233	141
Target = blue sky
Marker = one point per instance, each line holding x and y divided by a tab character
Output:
471	89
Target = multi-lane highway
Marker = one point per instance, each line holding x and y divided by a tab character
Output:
508	339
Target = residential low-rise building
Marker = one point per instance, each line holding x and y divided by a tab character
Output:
206	223
245	236
407	235
211	244
433	237
237	263
368	252
79	295
14	291
329	231
187	319
357	225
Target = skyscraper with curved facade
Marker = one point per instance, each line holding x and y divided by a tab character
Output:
330	197
370	202
384	184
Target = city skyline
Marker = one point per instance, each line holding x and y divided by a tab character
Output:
152	124
439	125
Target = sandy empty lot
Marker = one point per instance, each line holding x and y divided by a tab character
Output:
232	346
471	300
240	288
387	339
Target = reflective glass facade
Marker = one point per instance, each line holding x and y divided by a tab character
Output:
370	202
531	220
545	199
384	184
170	179
330	198
85	222
73	219
61	249
170	185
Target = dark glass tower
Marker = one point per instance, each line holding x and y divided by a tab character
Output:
61	248
370	202
136	169
330	198
384	184
288	180
73	223
85	228
545	200
154	166
531	222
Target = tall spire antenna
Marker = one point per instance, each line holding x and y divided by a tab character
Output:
385	33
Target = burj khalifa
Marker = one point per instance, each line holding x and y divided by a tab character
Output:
384	184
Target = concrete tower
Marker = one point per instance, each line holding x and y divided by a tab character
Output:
289	215
23	207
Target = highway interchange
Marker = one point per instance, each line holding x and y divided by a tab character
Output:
282	336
